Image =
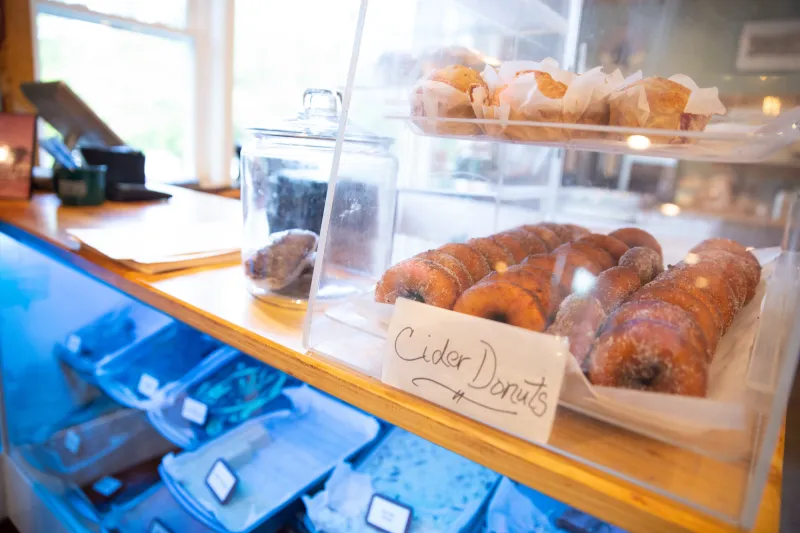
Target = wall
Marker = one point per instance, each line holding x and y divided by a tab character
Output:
16	54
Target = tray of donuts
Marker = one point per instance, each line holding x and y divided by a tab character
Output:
647	339
538	102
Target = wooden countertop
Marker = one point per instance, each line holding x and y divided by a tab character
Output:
588	464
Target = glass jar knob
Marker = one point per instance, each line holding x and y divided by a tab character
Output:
322	102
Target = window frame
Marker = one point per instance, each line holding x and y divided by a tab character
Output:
209	33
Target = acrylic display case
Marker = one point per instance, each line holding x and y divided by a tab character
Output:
603	151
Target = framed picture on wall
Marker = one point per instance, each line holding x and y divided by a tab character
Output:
17	148
770	45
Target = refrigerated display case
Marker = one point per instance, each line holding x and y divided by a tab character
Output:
622	88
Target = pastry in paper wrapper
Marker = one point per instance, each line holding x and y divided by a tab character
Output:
443	94
676	103
587	100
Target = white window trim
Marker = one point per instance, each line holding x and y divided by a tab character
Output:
209	30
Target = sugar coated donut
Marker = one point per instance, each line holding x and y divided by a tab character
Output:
577	231
539	282
541	261
667	313
475	263
497	255
564	234
637	237
738	270
614	286
505	302
707	277
645	261
729	246
453	265
513	244
420	280
568	261
578	318
612	245
533	244
699	311
651	356
595	253
548	237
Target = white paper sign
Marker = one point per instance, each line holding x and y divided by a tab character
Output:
148	385
387	515
222	481
501	375
72	442
107	486
194	411
73	343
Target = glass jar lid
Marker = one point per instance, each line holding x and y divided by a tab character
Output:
319	120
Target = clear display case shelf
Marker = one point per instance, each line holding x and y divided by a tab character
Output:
632	481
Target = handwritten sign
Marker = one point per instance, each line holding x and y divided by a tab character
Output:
501	375
74	343
387	515
107	486
148	385
222	481
194	411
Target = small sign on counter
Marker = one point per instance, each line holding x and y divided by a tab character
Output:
73	343
388	516
222	481
148	385
501	375
72	441
107	486
194	411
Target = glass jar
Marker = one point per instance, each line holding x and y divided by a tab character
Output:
285	172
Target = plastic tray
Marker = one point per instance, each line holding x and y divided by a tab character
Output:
107	336
164	357
276	458
446	491
90	450
519	509
156	504
233	386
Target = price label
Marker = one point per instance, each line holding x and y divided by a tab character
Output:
388	515
148	385
157	527
72	442
501	375
73	343
107	486
194	411
222	481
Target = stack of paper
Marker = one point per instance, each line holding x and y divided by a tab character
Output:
155	249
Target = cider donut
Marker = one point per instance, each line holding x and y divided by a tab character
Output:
505	302
539	282
615	247
595	253
578	318
614	286
533	244
497	255
577	231
475	263
646	262
667	313
540	261
634	237
547	236
513	244
699	311
727	245
708	278
651	356
564	234
418	279
568	261
453	265
735	266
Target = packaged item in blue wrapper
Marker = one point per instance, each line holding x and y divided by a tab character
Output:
108	336
268	462
445	492
136	375
224	391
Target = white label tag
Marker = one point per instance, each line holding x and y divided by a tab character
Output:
387	515
148	385
73	343
72	442
107	486
222	481
194	411
157	527
501	375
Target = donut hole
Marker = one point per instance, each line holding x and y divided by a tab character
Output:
498	317
647	376
413	295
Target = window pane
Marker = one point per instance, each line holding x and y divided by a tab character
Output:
305	43
167	12
140	85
